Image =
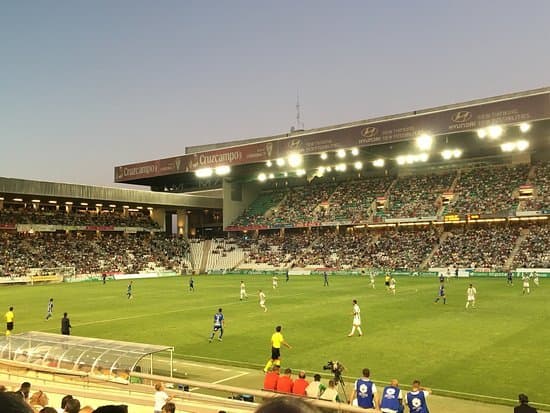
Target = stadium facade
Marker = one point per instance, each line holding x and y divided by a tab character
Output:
507	129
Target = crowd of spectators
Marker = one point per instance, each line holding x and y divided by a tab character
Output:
488	190
9	215
90	253
534	251
392	248
486	247
418	195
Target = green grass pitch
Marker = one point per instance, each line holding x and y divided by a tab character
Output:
498	349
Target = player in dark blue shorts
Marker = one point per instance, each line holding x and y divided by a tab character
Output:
218	325
441	294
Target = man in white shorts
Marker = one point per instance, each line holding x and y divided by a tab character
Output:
356	325
262	298
471	296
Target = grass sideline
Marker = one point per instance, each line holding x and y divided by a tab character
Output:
490	353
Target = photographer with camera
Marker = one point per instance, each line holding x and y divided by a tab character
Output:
365	392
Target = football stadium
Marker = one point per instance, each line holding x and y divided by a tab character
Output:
415	245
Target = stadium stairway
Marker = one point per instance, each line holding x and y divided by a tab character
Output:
522	236
442	238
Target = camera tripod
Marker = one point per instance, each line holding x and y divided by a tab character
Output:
342	386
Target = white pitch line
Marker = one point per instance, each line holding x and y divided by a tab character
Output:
223	380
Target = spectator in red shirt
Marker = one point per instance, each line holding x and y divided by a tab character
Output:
271	378
284	384
300	384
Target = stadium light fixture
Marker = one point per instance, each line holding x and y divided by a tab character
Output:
262	177
1	198
423	157
358	165
124	206
52	202
269	164
495	131
424	142
69	203
355	151
222	170
112	206
35	201
482	133
324	156
329	169
149	208
294	160
451	153
18	199
139	207
300	172
280	162
401	160
321	170
457	153
203	173
521	145
524	127
86	204
341	167
341	153
99	205
285	174
378	163
271	176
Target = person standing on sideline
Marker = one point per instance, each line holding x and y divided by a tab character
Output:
526	286
392	398
356	324
261	296
509	279
49	314
243	291
416	398
277	340
441	294
161	397
66	325
218	325
191	284
129	290
10	316
325	278
471	296
365	392
523	405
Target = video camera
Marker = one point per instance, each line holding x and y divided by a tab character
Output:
336	367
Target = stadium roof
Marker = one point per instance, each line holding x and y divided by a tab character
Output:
88	354
457	122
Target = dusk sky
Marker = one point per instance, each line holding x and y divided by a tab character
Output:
88	85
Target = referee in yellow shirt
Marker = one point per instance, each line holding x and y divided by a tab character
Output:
277	340
9	321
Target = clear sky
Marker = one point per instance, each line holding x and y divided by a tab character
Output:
87	85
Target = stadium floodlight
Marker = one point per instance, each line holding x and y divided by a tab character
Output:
222	170
139	207
271	176
285	174
379	163
324	156
300	172
424	142
110	205
69	203
410	159
52	201
524	127
355	151
149	208
124	206
86	204
447	154
35	201
99	205
294	160
262	177
423	157
18	199
481	133
329	169
358	165
269	164
495	131
203	173
1	198
401	160
508	147
341	167
521	145
341	153
280	162
457	153
321	170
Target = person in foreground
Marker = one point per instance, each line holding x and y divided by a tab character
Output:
524	405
